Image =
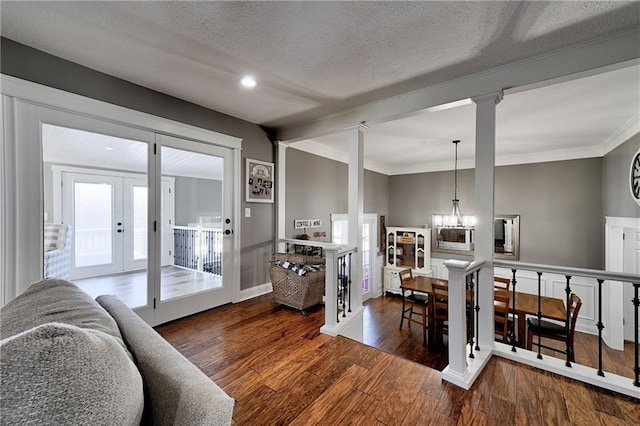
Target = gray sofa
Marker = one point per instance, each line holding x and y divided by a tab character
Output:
66	359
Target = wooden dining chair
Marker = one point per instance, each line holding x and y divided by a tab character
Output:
504	284
413	304
500	283
440	300
556	331
501	300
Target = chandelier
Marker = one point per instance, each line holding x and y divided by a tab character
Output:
455	219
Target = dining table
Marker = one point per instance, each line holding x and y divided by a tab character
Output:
526	304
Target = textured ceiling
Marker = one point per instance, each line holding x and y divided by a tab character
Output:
311	59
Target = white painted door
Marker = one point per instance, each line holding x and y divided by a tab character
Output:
108	218
631	264
92	208
340	235
201	275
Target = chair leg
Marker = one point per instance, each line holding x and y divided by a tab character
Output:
424	326
402	316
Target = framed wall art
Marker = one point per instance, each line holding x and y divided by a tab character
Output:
259	182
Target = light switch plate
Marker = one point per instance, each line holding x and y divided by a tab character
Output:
247	212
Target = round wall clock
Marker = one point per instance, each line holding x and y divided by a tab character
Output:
634	177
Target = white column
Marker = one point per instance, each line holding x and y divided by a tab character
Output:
356	208
281	207
484	210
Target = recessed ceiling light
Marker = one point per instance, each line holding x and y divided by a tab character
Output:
248	82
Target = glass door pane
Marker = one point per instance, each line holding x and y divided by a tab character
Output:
93	207
96	186
198	228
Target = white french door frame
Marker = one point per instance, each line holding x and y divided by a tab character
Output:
370	219
129	180
21	188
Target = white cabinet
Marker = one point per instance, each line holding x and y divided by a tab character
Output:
406	248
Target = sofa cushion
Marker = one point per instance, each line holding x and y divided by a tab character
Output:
55	300
176	391
61	374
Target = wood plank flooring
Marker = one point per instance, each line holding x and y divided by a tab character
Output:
131	287
282	371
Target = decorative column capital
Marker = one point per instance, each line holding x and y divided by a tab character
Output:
359	126
282	144
496	97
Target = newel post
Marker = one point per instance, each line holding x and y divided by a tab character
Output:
456	372
330	288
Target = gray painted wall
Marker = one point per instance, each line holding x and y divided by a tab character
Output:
317	187
258	231
559	203
616	196
197	197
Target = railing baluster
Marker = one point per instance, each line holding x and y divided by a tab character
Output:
349	283
470	312
513	305
539	313
567	325
600	327
343	287
636	304
477	309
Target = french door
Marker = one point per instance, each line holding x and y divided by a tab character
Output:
203	228
123	240
108	216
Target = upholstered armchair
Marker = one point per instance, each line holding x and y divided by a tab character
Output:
298	280
57	251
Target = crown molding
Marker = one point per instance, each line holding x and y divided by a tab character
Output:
336	155
620	136
443	166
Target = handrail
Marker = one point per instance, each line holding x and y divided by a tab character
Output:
565	270
474	266
338	282
195	228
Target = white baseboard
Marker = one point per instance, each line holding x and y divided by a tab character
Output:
259	290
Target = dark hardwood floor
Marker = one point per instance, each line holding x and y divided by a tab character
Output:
281	371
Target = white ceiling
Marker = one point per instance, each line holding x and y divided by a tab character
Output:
63	145
314	59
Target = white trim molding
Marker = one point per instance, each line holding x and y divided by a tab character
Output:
55	98
251	292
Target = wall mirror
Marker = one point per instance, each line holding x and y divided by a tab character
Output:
461	239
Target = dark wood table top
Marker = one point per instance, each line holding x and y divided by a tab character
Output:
526	303
422	284
550	307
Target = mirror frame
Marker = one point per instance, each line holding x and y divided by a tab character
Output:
514	255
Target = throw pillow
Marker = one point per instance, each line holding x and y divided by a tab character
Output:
61	374
55	300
